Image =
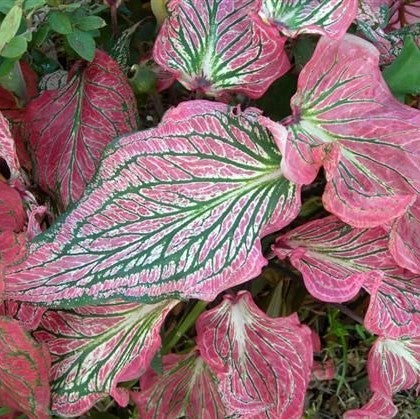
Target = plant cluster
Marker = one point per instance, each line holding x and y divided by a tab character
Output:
150	265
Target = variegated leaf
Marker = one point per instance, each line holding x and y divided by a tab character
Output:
345	118
24	371
263	363
28	315
393	365
8	150
404	242
294	17
378	407
174	212
187	388
407	13
214	47
336	260
68	128
95	348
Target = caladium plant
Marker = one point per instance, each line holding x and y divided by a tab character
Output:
197	206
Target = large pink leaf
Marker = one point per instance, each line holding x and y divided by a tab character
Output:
186	388
263	363
175	211
393	365
95	348
336	260
345	118
378	407
24	371
69	128
404	242
28	315
407	13
294	17
214	47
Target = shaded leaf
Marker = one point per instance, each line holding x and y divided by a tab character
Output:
294	17
173	212
8	151
95	348
336	260
404	242
263	364
24	371
215	48
82	43
345	118
187	388
69	128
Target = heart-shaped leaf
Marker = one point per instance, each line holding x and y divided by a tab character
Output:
294	17
24	371
187	388
214	47
175	211
345	118
95	348
263	364
68	128
336	260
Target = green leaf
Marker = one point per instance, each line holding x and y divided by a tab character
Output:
82	43
33	4
89	23
10	25
15	48
60	23
6	5
403	75
40	35
6	66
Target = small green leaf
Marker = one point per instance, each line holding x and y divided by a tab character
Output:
40	35
33	4
403	75
10	25
60	23
89	23
6	66
6	5
15	48
82	43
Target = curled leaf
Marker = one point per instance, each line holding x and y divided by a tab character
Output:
345	118
336	260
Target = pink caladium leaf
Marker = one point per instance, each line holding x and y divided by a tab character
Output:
174	212
393	365
378	407
404	242
263	364
294	17
187	388
336	260
407	13
343	114
68	128
215	48
9	161
24	371
95	348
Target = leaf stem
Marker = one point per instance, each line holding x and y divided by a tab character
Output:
184	325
